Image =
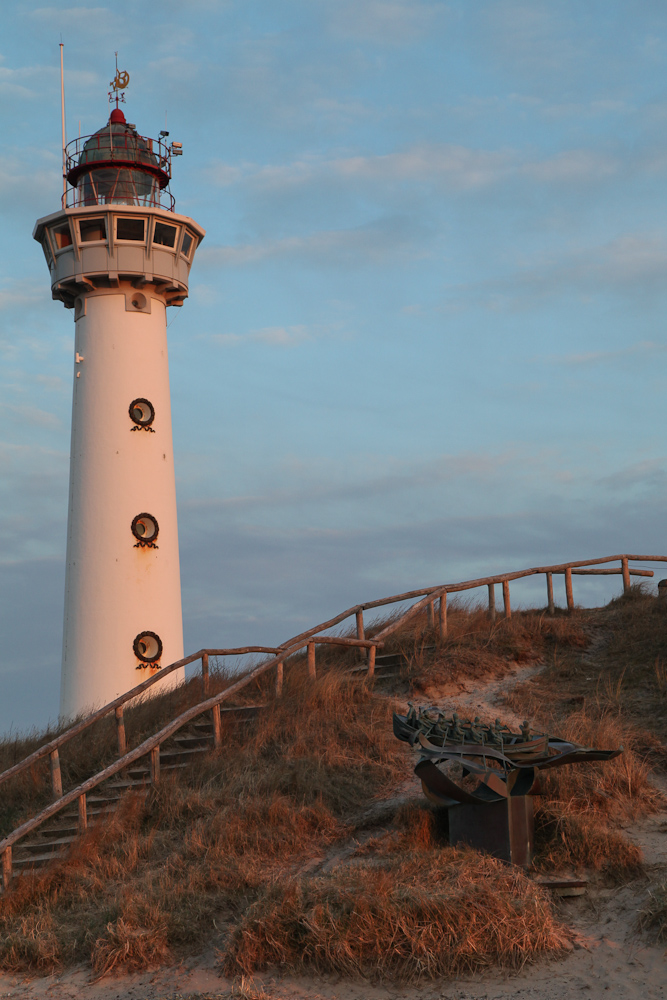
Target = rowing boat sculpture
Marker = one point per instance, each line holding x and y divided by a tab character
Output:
495	814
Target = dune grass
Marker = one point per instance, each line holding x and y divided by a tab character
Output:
252	850
653	917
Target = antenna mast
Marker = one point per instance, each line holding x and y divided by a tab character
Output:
62	122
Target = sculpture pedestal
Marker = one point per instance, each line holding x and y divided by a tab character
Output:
503	829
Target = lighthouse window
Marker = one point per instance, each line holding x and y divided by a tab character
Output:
61	237
148	647
145	528
164	235
142	412
92	230
130	229
187	244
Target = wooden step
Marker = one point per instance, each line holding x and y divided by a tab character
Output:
72	826
203	740
37	859
39	845
184	752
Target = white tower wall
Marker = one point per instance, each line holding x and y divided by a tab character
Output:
116	587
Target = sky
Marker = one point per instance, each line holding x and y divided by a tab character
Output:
425	338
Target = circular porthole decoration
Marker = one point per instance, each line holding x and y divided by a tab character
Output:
142	413
147	647
145	529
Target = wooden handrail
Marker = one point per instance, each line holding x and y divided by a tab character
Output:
299	641
132	755
307	640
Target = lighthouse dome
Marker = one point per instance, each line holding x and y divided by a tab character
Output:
118	166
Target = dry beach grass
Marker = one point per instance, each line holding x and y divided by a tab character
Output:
233	852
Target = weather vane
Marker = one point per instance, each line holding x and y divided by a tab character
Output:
118	84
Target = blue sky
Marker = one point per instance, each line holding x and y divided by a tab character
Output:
425	337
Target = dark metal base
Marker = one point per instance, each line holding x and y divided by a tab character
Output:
502	829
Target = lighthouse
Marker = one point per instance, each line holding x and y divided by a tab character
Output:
119	256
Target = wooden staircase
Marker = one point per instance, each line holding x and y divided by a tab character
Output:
53	839
50	833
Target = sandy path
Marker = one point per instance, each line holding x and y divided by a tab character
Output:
470	698
609	958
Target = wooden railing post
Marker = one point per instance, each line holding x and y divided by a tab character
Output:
492	601
506	599
279	679
311	661
6	868
217	727
204	674
371	661
568	588
83	814
56	777
155	765
550	594
360	624
120	731
626	574
443	614
430	614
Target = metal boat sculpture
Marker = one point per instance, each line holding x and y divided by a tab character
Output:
496	815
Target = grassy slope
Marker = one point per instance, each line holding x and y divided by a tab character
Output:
230	853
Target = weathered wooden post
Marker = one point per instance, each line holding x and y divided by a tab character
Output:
56	777
430	615
360	628
506	599
217	727
360	624
155	764
568	588
371	661
6	868
204	673
443	614
83	814
120	731
550	594
492	601
311	661
279	679
626	574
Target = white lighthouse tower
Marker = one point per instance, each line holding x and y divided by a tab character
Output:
118	256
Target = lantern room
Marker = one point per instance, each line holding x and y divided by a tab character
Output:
117	166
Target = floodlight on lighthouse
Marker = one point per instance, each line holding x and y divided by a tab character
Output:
118	256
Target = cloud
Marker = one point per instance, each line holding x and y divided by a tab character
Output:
382	22
625	265
643	349
458	166
22	293
31	81
273	336
373	243
648	473
572	166
369	477
31	415
533	38
440	166
24	188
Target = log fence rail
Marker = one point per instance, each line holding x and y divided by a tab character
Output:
309	641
